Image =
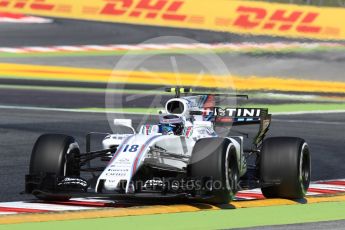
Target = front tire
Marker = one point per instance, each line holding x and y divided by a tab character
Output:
216	158
286	162
55	154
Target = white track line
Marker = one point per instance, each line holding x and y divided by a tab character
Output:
42	206
243	195
239	198
252	191
313	193
93	199
328	187
38	49
12	50
26	19
8	213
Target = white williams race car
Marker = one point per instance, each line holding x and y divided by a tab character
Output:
180	157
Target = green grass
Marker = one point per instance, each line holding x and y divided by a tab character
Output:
223	219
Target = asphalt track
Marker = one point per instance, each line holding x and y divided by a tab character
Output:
20	128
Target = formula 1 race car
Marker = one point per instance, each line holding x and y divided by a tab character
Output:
180	157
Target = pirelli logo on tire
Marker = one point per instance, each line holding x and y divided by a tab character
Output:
258	18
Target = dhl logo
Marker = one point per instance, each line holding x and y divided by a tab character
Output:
150	9
21	4
282	20
165	9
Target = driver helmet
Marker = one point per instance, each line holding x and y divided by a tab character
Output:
171	125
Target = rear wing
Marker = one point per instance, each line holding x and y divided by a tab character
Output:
238	116
245	116
205	108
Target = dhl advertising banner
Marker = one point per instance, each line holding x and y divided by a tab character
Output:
257	18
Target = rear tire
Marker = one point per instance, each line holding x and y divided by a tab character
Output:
216	158
57	154
285	160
